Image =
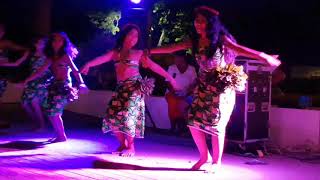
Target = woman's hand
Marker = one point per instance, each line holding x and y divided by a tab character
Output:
271	59
175	85
83	89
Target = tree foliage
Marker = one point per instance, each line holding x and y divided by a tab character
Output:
172	23
108	22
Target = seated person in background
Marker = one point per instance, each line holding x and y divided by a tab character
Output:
179	102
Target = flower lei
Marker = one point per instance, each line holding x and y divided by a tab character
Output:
230	76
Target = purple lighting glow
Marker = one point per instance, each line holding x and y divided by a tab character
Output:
135	1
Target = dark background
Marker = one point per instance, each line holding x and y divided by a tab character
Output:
288	28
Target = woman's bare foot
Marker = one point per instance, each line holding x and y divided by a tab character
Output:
128	152
213	168
198	165
58	139
119	149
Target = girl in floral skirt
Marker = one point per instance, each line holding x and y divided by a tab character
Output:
214	49
60	53
35	92
125	115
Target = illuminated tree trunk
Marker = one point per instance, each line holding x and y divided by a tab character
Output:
162	36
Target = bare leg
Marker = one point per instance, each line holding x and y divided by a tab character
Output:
58	127
217	147
130	150
122	141
38	113
200	140
218	139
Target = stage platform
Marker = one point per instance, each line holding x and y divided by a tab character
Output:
86	155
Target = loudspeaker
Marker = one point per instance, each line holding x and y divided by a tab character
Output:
250	118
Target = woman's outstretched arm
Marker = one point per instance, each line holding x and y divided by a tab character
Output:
148	63
171	48
17	62
251	53
97	61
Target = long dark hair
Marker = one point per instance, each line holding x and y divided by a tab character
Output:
215	31
123	33
67	48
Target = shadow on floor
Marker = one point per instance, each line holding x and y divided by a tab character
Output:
103	164
24	145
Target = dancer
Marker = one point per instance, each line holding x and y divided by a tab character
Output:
35	92
125	114
6	45
60	53
210	111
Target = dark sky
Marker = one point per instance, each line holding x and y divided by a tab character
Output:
286	27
